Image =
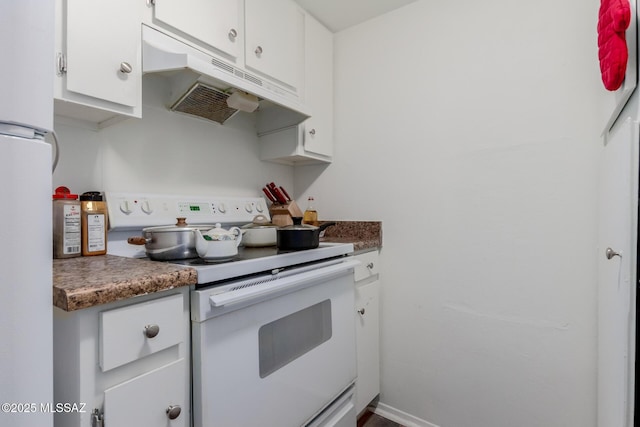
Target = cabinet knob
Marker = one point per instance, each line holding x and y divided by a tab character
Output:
150	331
312	132
370	266
233	34
125	67
258	51
361	311
173	411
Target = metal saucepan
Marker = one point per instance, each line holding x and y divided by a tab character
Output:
300	236
171	242
259	233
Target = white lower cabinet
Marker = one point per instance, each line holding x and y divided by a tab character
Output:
367	329
125	363
151	399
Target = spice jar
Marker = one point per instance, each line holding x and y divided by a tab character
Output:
66	224
94	223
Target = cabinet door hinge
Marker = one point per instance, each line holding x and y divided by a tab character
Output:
97	418
61	64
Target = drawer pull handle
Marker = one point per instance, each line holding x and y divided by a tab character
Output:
370	266
361	311
173	411
150	331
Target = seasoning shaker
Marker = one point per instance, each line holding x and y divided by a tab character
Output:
94	223
66	224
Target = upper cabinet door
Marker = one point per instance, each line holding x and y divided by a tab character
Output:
274	43
213	22
318	92
103	50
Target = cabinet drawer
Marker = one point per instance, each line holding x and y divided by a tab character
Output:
368	265
149	399
127	333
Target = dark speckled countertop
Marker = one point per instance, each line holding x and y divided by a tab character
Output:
84	282
365	235
87	281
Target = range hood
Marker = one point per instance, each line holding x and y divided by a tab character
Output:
201	84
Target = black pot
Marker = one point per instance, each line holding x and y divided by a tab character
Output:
300	236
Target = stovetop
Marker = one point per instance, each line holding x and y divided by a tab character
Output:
129	213
251	261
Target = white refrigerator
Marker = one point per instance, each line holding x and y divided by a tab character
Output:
26	115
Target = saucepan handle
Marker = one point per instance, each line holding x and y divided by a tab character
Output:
138	240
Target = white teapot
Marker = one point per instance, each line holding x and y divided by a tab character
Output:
218	244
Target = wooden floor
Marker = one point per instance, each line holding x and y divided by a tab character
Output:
369	419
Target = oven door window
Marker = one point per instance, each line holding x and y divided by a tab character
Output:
286	339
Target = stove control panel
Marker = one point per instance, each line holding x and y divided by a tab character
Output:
135	210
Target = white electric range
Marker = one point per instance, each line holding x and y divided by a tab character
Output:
273	336
129	213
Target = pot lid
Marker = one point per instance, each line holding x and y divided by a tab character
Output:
298	225
180	226
219	233
259	221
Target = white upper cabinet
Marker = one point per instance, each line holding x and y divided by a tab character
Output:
265	38
274	40
310	142
216	23
99	58
318	92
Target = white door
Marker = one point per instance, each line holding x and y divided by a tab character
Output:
617	205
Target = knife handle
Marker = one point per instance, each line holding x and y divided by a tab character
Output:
285	193
269	196
279	196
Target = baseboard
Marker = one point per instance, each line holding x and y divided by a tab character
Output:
399	416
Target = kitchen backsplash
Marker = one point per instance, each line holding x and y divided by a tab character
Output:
165	152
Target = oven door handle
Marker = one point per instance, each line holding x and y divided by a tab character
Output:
282	285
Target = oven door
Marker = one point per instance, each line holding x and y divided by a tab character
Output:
274	358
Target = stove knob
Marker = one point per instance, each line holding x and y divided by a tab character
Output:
222	208
248	208
259	207
146	207
125	207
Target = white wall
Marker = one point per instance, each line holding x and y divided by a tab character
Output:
471	129
165	152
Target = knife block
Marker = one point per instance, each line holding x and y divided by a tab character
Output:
281	213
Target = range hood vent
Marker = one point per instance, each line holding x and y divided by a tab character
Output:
206	102
201	83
